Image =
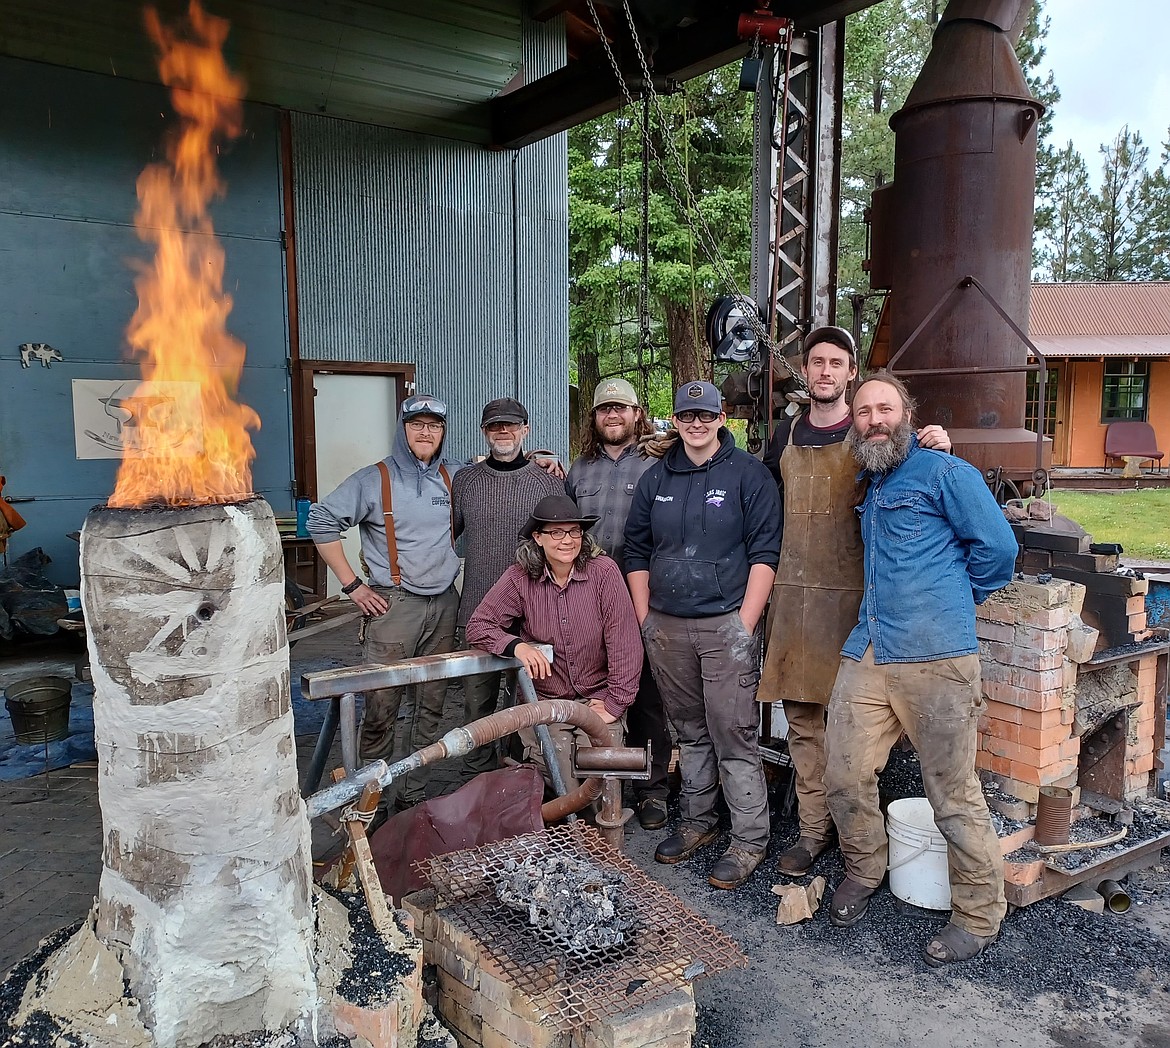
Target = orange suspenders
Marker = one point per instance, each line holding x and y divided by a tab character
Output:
388	517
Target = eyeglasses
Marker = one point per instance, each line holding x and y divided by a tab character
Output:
702	416
502	427
612	409
424	427
560	534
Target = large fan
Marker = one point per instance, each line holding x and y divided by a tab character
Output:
730	333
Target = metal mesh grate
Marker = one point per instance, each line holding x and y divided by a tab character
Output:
669	946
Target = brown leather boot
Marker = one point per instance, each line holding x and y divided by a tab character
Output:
734	867
798	860
683	844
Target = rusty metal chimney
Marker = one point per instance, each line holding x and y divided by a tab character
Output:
961	204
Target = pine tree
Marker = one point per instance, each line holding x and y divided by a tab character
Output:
1119	244
1069	197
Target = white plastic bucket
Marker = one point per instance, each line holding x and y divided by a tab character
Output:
918	855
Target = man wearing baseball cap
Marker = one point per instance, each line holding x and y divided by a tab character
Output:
702	544
401	507
603	481
491	502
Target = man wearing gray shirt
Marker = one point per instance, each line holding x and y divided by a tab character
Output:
602	482
410	601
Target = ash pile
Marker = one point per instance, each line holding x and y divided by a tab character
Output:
570	902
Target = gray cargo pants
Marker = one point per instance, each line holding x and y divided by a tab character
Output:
707	671
413	625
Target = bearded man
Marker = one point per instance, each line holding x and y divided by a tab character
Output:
936	544
614	454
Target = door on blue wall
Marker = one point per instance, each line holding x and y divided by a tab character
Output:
349	419
72	145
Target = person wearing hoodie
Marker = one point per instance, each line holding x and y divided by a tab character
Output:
410	600
702	545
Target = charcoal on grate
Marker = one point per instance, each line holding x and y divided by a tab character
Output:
570	902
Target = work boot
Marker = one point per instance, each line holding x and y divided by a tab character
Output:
798	860
652	813
734	867
850	901
680	846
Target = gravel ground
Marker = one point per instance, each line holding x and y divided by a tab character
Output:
1058	976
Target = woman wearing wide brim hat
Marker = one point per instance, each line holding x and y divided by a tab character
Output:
564	591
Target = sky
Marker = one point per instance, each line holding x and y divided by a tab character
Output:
1112	65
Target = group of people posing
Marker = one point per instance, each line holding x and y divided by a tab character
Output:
649	570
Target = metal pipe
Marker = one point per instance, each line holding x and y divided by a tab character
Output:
527	692
1115	896
611	758
349	744
460	741
321	750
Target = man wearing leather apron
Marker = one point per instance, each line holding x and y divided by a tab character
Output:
819	578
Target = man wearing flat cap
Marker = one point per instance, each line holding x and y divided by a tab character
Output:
401	507
491	503
566	592
702	544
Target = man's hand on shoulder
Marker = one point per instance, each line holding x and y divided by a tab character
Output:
934	437
655	445
548	461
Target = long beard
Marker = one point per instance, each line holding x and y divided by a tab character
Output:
883	456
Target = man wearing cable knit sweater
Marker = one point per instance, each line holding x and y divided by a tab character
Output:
491	503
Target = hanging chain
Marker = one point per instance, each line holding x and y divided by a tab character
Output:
686	202
646	338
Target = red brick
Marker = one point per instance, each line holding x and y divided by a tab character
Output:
1070	748
1040	701
1023	658
1035	639
1023	873
1004	711
1043	738
989	727
1135	605
1048	775
1001	631
1041	720
1045	618
996	611
1144	764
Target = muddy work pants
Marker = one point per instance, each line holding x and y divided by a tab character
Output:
938	705
414	625
707	671
806	748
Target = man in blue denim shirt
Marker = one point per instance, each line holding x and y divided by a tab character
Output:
936	544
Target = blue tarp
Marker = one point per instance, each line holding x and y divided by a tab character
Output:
20	762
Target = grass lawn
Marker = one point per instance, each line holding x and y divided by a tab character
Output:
1139	520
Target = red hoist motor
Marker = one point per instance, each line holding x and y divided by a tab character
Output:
761	22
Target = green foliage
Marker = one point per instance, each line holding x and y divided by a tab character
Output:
885	46
709	125
1139	520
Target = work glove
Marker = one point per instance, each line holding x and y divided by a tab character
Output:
655	445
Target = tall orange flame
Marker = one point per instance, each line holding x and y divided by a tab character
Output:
188	439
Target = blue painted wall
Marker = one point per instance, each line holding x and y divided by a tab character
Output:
71	147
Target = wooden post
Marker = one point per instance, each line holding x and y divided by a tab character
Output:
205	891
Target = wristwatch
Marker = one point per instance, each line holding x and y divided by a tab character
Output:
358	581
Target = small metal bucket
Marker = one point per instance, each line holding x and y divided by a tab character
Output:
39	708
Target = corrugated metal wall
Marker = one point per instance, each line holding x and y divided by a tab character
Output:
71	147
422	250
